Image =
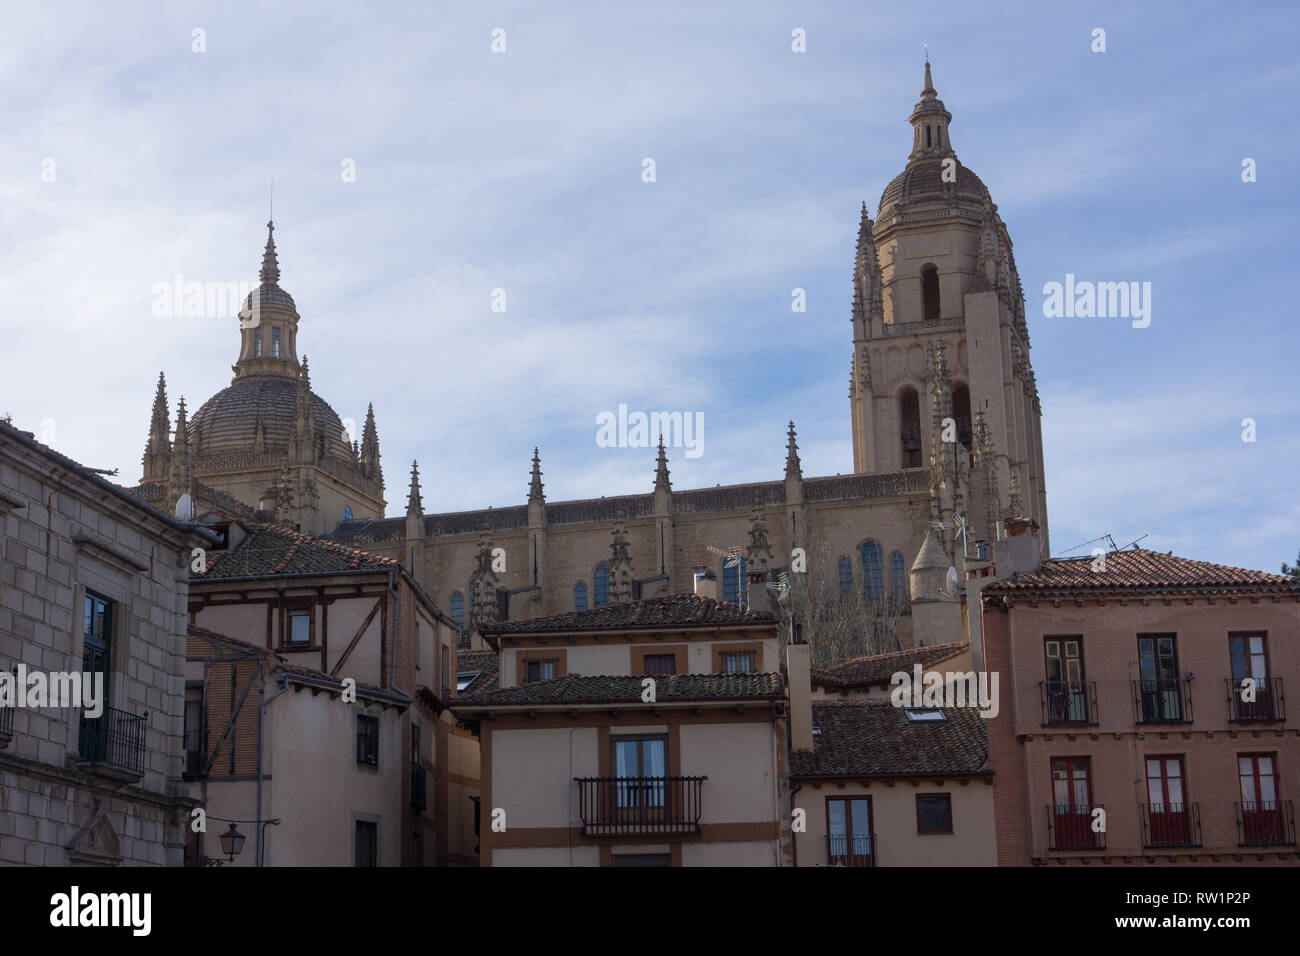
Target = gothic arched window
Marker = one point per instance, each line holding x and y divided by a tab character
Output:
602	584
909	416
580	596
961	413
897	575
930	292
846	577
733	583
873	572
458	609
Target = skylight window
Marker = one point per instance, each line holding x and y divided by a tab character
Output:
922	716
465	678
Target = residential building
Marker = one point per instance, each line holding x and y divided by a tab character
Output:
93	592
1144	718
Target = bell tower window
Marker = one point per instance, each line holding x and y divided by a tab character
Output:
909	415
930	292
257	343
927	137
275	343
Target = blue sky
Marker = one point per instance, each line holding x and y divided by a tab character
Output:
522	171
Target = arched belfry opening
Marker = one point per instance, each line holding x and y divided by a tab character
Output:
909	418
929	292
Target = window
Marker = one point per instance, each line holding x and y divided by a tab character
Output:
368	740
898	576
539	670
737	662
602	585
872	570
930	292
961	413
275	343
846	577
1067	702
734	586
640	765
366	844
1161	693
347	513
919	715
848	831
909	418
300	627
1249	657
96	658
457	604
933	813
1072	803
660	664
927	136
195	751
465	678
257	343
580	596
1169	819
1262	819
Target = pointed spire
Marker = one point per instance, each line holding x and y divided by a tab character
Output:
181	475
370	446
868	283
414	501
793	467
661	469
304	377
270	273
930	120
928	86
157	449
161	417
536	494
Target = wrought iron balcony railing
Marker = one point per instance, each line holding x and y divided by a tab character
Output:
1072	826
1068	702
858	849
635	806
1170	824
1270	823
1163	701
115	739
419	787
1267	702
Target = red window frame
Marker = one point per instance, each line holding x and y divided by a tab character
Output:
1169	818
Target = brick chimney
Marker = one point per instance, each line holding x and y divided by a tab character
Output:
706	582
1022	541
798	675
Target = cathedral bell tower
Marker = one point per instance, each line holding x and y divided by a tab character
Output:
940	339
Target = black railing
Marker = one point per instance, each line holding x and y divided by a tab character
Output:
858	849
1268	703
114	738
1170	824
632	806
1270	823
1072	826
1162	701
1068	702
419	787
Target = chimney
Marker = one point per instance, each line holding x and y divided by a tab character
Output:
756	592
706	582
1022	539
798	675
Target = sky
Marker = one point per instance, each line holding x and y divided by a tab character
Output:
416	170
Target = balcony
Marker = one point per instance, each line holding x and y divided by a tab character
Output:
1268	705
1170	824
1070	827
1163	701
1066	703
856	850
419	787
113	744
1271	823
639	806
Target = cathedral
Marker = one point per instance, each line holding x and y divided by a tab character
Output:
944	413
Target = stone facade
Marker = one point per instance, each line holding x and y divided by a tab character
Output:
104	791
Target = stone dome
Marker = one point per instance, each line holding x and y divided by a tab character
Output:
270	296
227	423
922	181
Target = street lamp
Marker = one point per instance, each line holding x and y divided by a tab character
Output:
232	841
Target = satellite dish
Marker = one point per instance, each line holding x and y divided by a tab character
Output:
950	582
185	508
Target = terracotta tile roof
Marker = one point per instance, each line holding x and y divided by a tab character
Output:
667	610
1141	571
879	668
873	738
575	689
488	663
273	549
